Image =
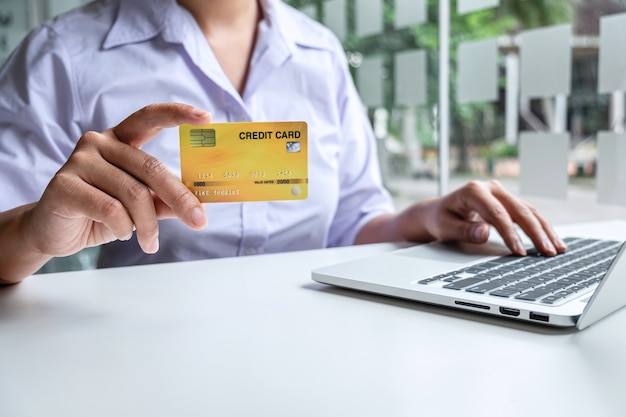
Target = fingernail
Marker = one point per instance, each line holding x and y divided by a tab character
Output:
519	248
198	217
154	246
549	245
200	113
480	233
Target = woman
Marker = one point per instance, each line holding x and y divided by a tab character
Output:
242	60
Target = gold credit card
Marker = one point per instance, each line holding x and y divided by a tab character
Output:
251	161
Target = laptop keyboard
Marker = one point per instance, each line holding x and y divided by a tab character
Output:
535	278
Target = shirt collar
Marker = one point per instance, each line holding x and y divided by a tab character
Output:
290	28
273	15
141	20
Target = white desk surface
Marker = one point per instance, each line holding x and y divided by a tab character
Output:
256	336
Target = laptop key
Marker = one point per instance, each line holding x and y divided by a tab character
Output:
463	283
448	278
487	286
534	294
503	292
428	280
551	299
436	278
521	286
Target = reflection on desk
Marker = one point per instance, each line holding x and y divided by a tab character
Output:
255	336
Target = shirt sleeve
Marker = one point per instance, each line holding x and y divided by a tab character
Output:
37	113
362	196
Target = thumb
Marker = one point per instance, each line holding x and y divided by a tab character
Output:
464	230
143	125
478	232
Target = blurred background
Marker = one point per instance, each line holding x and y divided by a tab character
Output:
533	90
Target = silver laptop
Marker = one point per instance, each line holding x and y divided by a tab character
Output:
577	288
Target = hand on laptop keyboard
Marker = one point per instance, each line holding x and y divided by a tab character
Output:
468	213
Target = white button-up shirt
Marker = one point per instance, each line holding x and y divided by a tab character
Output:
89	69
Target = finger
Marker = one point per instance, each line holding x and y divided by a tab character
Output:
134	196
478	197
70	198
163	211
143	125
559	245
149	174
530	221
464	229
87	164
540	231
106	210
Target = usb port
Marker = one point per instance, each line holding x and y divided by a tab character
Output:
539	317
509	311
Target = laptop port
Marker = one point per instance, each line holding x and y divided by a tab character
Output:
539	317
466	304
509	311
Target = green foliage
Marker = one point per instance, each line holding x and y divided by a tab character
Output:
499	149
530	14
